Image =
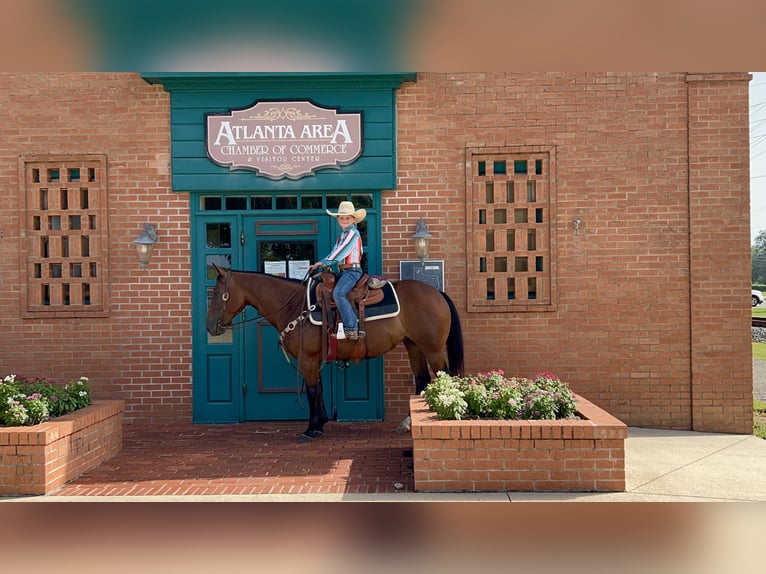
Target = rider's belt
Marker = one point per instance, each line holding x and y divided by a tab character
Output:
349	266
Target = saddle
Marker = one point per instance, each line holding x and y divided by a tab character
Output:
367	291
360	296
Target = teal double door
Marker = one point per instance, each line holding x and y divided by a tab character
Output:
243	375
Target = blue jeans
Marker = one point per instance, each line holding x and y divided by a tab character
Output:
343	285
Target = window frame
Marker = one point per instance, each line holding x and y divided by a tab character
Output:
90	246
480	263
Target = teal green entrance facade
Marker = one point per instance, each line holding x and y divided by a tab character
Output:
245	221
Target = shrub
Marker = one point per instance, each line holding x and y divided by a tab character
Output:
445	396
30	402
493	396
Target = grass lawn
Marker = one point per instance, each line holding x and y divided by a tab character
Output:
759	351
759	311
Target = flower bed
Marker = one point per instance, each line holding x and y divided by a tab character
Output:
492	395
30	402
38	459
572	454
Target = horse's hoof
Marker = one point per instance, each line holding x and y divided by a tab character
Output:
308	436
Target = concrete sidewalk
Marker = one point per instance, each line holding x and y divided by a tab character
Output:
661	466
683	466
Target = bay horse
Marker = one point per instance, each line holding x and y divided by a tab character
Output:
427	323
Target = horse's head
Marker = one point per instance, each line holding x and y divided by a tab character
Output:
226	301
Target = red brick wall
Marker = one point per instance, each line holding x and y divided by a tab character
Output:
142	352
719	183
629	321
651	310
39	459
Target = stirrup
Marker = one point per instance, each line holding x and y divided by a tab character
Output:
351	334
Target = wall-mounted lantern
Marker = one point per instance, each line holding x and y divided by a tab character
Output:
145	244
422	240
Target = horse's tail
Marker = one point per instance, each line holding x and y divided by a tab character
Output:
454	340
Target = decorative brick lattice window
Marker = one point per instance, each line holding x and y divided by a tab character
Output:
64	228
510	235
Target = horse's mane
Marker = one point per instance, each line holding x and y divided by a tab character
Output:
287	279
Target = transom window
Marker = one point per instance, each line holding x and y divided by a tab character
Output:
510	229
275	203
264	201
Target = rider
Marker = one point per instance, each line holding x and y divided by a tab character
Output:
346	258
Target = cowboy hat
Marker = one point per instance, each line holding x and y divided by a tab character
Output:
347	208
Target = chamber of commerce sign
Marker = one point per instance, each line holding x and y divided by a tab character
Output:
284	139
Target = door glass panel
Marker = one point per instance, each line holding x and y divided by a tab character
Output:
222	260
362	227
218	235
286	258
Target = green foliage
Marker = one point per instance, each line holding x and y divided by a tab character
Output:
493	396
30	402
444	396
758	258
759	418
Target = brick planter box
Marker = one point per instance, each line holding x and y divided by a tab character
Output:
586	454
38	459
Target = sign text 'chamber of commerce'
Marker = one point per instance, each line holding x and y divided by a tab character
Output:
284	139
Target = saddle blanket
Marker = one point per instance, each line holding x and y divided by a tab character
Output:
387	307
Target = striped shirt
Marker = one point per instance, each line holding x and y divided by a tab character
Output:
348	249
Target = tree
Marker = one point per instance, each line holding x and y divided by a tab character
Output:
758	252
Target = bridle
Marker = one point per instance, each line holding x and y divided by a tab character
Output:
225	296
291	326
298	322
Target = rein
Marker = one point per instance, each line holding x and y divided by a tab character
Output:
244	322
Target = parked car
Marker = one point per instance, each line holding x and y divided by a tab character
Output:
757	298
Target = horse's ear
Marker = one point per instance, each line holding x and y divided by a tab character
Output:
218	270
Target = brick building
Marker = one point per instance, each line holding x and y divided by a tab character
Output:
592	225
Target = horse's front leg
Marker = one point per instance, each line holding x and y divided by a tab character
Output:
317	411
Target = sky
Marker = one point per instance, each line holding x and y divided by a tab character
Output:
757	154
